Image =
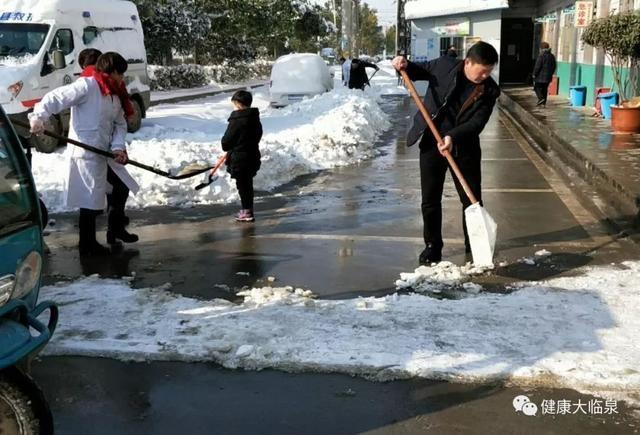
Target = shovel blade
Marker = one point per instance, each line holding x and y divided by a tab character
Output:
206	183
482	230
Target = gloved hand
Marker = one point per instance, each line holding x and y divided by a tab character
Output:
37	126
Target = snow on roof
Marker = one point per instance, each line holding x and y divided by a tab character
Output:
415	9
51	10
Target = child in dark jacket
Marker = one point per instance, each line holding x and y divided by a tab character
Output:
241	142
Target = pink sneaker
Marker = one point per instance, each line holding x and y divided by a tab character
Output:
245	215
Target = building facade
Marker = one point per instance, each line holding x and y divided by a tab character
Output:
516	28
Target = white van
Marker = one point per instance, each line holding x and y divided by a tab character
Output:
296	76
39	45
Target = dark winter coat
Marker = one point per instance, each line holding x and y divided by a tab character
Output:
544	68
358	78
459	108
241	142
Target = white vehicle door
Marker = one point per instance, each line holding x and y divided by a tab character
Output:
52	78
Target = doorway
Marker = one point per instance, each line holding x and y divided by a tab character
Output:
516	52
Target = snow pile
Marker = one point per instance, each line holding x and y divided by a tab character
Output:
333	129
542	253
385	82
578	332
262	296
439	276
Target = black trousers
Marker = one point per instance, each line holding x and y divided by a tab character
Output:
244	184
541	90
433	168
87	226
116	201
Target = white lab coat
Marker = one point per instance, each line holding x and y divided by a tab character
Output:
97	120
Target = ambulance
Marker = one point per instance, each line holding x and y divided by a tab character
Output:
39	45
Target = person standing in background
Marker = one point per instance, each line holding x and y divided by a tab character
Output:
543	73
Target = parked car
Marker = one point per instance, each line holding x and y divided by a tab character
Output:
22	333
39	46
296	76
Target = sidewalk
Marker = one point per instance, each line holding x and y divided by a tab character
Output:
179	95
609	163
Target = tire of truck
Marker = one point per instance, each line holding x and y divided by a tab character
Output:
23	409
44	143
135	122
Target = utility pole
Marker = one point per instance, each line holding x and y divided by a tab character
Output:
355	25
347	35
403	30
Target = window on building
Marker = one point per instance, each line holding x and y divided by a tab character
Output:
455	41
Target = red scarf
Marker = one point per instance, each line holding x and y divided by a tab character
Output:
109	87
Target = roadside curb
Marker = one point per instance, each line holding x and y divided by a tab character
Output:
615	202
183	98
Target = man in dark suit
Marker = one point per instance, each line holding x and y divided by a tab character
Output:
460	99
359	78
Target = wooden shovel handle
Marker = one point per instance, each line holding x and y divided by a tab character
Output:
95	150
425	113
219	162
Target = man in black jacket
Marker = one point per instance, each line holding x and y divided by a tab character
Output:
358	78
460	99
543	73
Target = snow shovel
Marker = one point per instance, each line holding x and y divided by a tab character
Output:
212	174
480	225
188	172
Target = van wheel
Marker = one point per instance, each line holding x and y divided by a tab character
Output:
135	122
19	410
47	144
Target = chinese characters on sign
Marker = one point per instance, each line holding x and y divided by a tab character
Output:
583	14
15	16
452	27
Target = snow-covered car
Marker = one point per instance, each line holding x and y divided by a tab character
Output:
296	76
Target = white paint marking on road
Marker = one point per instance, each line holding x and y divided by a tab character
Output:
496	159
418	240
487	190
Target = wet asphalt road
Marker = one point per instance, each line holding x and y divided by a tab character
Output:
340	233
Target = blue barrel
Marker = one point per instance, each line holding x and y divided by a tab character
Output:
578	95
606	101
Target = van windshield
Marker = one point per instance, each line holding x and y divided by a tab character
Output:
17	207
21	41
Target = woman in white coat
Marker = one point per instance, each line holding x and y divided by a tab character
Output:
97	119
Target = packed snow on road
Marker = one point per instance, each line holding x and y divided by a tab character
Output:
576	331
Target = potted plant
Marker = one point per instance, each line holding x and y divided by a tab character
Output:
619	36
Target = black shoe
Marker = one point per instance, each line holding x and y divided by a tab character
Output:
93	249
540	103
431	254
126	237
